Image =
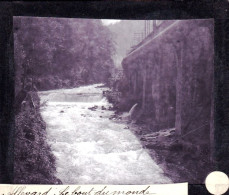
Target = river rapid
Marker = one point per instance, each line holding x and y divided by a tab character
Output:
90	148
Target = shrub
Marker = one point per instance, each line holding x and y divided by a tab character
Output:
34	162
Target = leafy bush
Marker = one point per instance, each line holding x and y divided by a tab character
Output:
34	162
118	95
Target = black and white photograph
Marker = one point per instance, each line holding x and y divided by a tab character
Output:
108	101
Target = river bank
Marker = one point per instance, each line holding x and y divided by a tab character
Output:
34	162
180	162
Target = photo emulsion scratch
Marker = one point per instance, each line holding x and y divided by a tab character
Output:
113	101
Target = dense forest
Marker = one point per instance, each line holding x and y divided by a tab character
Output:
56	53
51	53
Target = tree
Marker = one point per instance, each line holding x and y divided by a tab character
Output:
59	52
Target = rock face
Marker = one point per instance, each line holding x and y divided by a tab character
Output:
170	75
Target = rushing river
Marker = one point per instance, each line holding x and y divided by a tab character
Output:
89	147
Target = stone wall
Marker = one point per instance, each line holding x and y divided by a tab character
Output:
170	76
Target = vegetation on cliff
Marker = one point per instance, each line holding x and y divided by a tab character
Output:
59	53
34	162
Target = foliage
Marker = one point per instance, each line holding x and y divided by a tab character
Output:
33	161
51	53
119	89
58	53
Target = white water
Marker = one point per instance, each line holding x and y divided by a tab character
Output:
89	147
